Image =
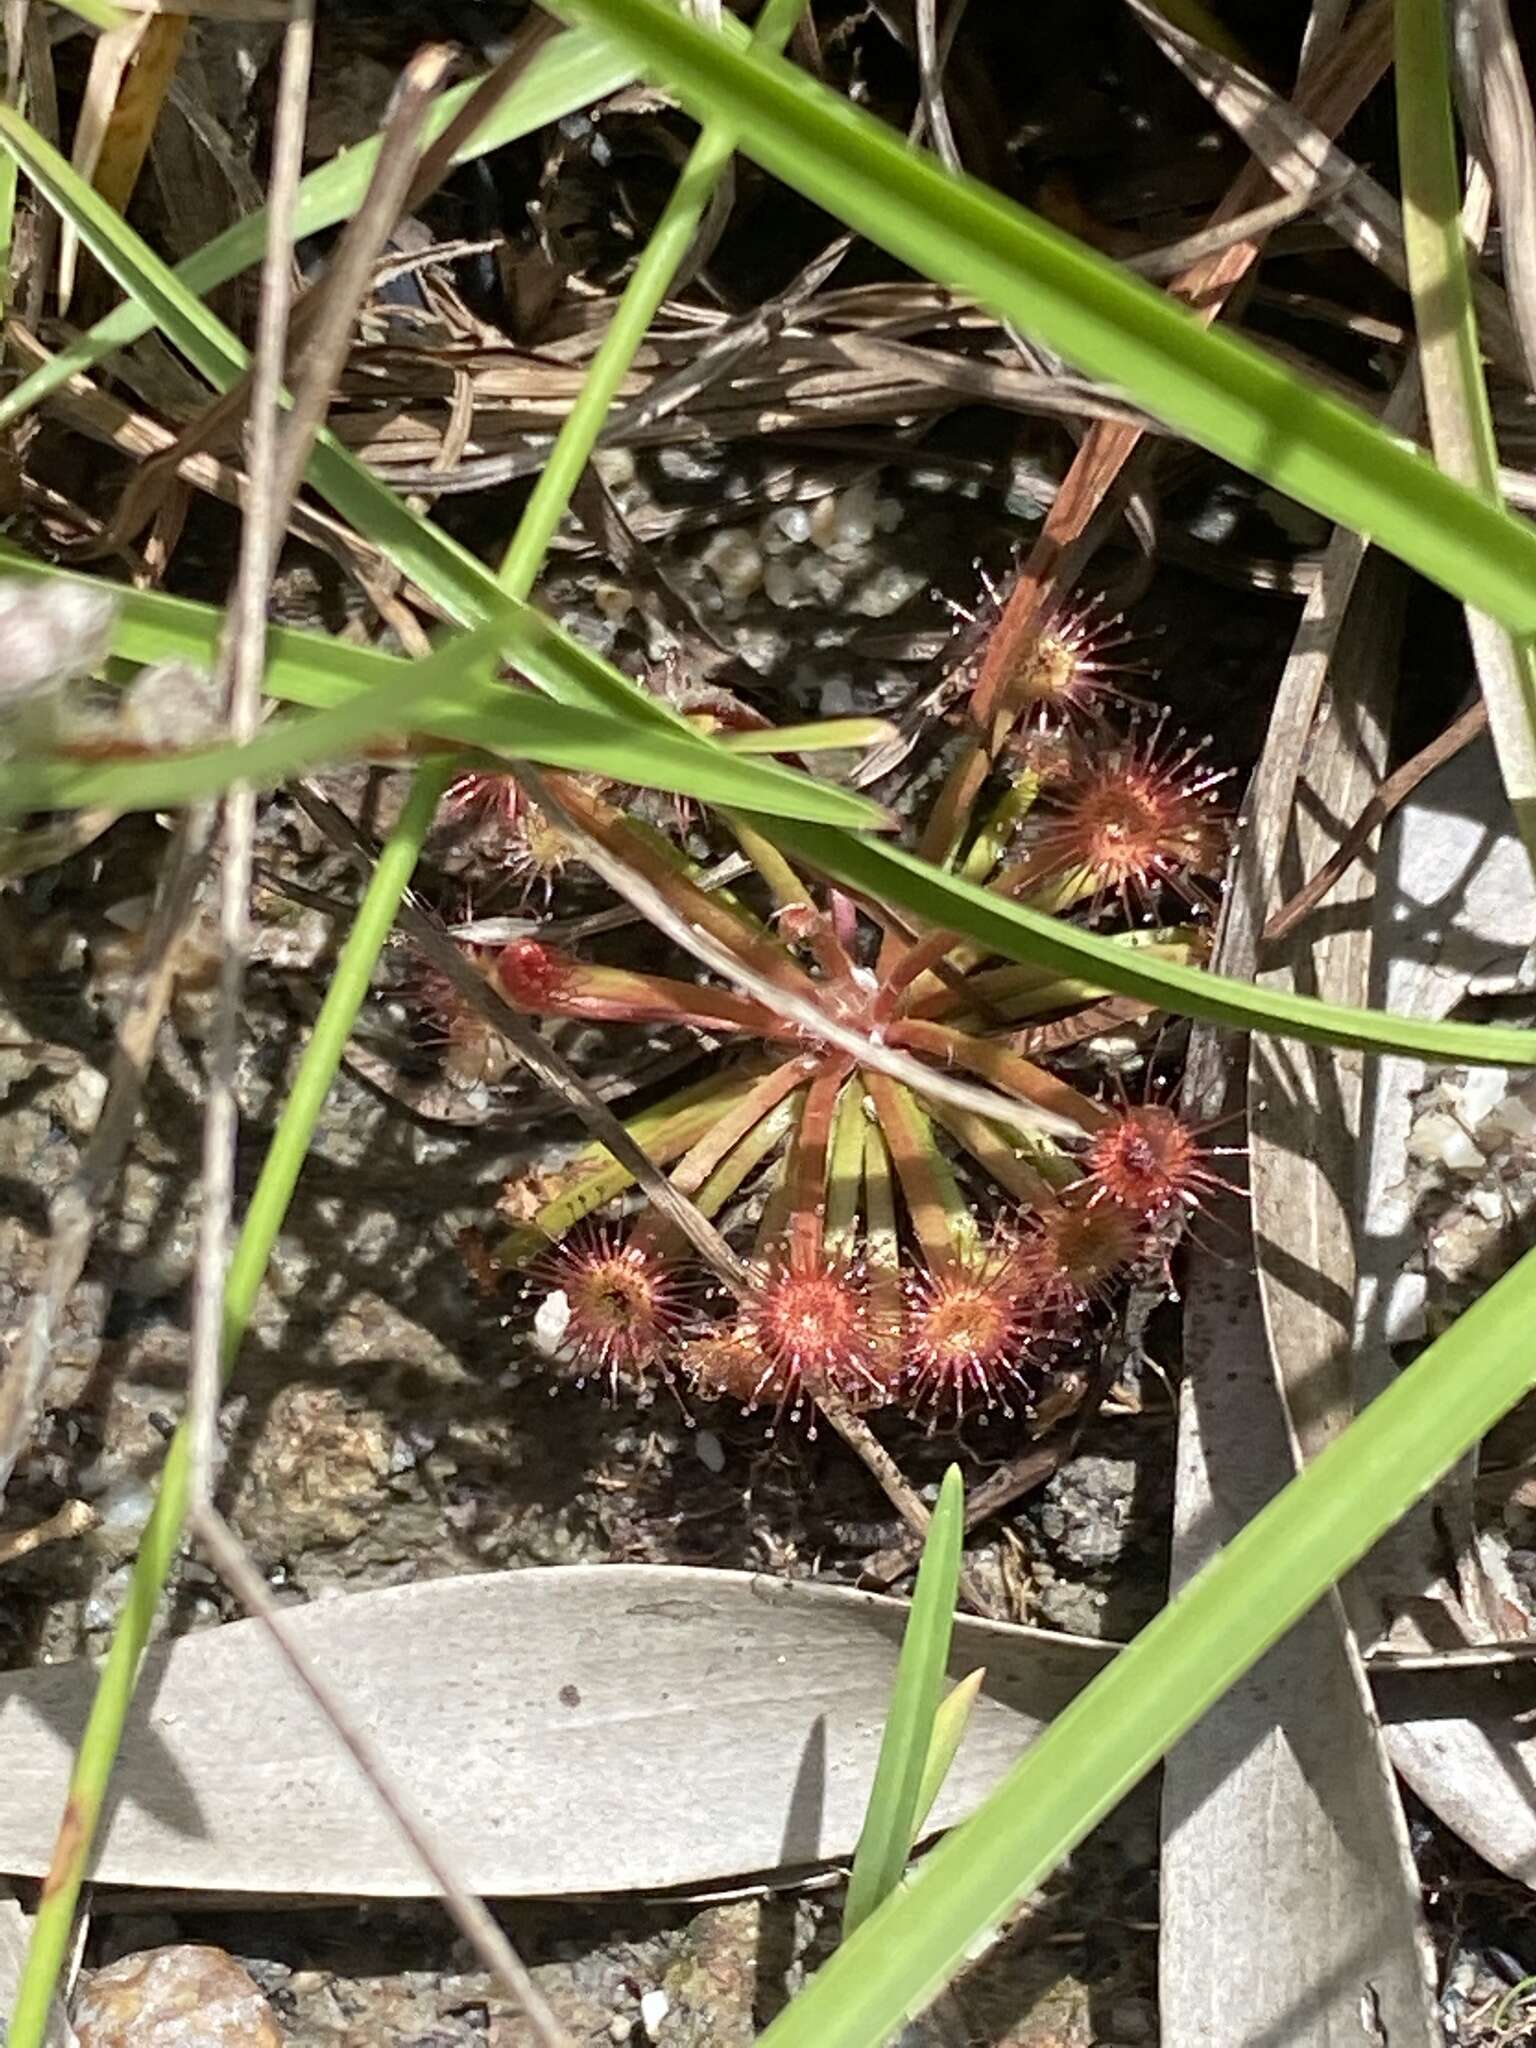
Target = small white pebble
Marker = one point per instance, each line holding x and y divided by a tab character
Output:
1478	1093
83	1098
824	521
856	517
794	522
1405	1319
616	466
654	2007
1439	1139
760	647
1515	1115
125	1507
735	560
551	1320
886	591
1214	523
823	579
781	585
1487	1202
889	513
709	1451
836	697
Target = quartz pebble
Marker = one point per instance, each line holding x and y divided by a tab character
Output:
1443	1139
735	561
654	2007
887	591
185	1996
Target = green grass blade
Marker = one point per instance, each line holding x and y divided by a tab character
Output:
1156	1689
99	13
893	1816
819	736
517	725
1219	390
947	902
571	72
949	1726
1455	395
320	673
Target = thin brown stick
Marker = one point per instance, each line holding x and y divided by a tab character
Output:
1206	242
1020	1475
887	1474
74	1519
350	273
1394	791
469	1913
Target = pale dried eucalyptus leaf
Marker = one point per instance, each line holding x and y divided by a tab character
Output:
565	1730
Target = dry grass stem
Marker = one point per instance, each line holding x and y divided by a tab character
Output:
242	659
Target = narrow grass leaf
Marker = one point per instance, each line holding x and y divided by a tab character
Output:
1221	391
523	727
949	1726
375	694
822	736
1131	1715
948	903
99	13
891	1823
